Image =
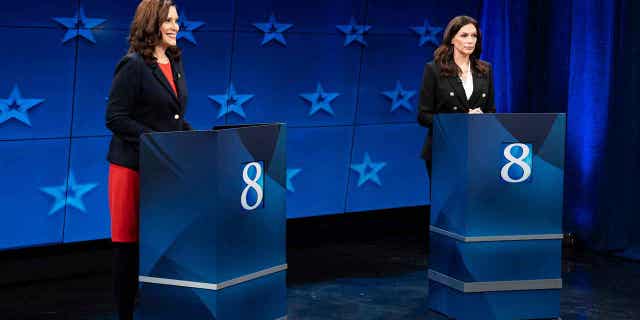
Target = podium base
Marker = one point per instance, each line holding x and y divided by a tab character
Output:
262	298
503	305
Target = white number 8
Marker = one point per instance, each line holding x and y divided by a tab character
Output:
518	161
252	184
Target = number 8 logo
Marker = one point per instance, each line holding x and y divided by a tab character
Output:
526	169
252	184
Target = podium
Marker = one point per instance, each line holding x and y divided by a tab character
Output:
496	216
212	224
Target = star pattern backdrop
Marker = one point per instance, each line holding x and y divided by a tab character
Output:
343	75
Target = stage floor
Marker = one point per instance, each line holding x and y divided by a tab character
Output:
370	266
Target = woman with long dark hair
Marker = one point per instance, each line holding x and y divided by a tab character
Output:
456	81
148	94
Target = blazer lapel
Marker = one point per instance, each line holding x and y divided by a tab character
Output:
478	90
163	80
180	84
456	84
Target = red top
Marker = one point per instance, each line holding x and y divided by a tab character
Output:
166	70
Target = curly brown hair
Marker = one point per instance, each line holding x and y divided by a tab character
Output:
145	29
443	56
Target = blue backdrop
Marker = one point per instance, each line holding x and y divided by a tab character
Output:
356	149
348	97
578	57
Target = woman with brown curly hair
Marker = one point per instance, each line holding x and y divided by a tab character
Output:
148	94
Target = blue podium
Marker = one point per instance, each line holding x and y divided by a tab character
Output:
212	224
496	216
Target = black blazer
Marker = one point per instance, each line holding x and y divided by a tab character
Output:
142	100
440	94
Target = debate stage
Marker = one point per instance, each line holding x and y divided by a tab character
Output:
370	265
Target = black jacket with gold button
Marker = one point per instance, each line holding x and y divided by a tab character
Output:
142	100
440	94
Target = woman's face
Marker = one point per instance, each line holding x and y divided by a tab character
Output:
465	40
169	28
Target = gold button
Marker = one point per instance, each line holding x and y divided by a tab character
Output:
177	116
451	93
484	95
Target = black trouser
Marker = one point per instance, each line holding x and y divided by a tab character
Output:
125	277
427	164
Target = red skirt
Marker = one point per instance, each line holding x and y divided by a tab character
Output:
124	203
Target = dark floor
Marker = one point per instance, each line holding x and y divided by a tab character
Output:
365	266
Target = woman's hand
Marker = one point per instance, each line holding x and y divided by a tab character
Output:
475	111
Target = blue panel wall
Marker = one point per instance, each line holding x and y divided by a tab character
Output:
42	70
31	215
319	17
317	161
58	70
207	73
94	71
393	175
86	215
277	76
391	62
34	13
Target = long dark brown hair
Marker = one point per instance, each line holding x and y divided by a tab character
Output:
443	56
145	29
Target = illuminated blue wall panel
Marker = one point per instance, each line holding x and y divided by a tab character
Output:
64	90
207	15
88	211
386	170
277	76
317	169
37	76
391	78
96	64
207	67
396	16
31	216
214	15
118	13
34	13
306	16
